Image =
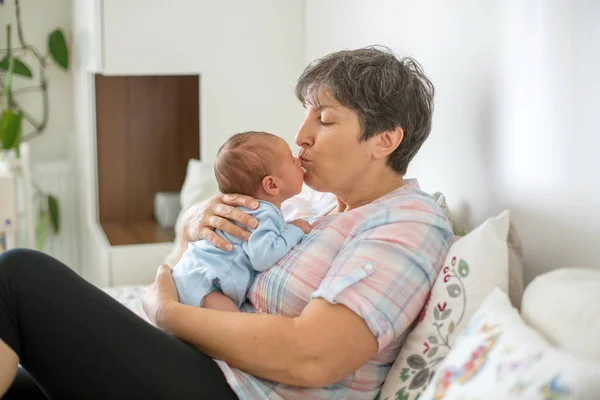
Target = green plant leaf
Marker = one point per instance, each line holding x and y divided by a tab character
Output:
53	209
10	129
57	46
41	231
19	67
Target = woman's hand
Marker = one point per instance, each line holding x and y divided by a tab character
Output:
159	294
201	220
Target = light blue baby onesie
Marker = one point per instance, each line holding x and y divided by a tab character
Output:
203	265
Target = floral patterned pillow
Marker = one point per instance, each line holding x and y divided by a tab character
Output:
499	357
475	265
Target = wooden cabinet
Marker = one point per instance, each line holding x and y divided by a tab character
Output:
147	129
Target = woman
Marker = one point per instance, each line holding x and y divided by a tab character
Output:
325	322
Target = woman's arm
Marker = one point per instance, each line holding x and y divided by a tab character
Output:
309	350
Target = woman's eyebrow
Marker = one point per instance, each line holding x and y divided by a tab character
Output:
324	106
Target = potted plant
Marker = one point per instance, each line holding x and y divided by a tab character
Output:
17	126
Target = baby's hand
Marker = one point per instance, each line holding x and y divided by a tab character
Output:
302	224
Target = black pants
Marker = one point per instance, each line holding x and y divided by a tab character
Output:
76	342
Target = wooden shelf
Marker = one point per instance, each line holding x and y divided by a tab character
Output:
147	129
136	232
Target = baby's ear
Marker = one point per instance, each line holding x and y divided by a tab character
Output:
270	185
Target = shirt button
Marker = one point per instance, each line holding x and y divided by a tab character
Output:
369	267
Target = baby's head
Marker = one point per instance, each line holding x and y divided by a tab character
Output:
260	165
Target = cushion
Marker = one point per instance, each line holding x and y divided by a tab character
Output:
199	184
497	356
474	266
564	305
516	274
515	252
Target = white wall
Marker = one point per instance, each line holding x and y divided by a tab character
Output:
39	18
94	255
248	54
516	122
547	139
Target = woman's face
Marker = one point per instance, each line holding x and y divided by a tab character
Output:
332	153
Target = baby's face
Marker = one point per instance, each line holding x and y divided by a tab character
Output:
289	170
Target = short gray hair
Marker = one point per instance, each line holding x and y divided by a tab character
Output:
385	91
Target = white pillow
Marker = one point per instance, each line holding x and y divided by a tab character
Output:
199	184
474	266
564	305
497	356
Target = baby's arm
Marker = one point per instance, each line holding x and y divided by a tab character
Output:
271	240
302	224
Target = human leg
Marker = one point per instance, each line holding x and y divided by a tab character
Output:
78	342
24	387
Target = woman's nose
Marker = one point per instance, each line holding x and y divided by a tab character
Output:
304	136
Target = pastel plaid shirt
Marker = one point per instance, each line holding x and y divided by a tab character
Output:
379	260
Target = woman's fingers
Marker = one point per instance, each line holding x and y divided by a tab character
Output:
201	220
227	226
192	222
159	294
234	214
216	240
163	269
240	200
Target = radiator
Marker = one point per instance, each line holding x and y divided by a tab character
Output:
58	178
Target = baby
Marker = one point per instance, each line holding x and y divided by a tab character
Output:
260	165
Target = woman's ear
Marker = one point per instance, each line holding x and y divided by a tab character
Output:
271	185
387	142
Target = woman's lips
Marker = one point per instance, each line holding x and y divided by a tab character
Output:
304	164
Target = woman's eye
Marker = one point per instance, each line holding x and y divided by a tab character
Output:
325	123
